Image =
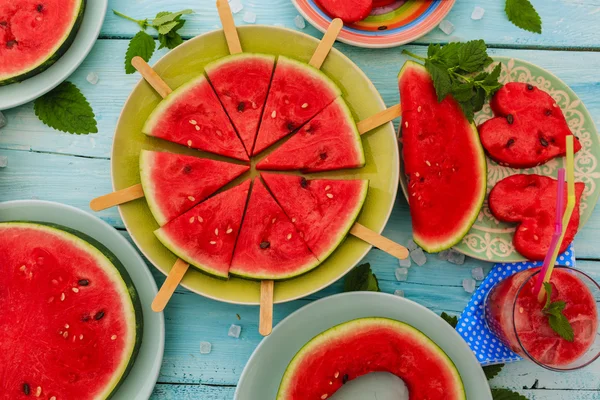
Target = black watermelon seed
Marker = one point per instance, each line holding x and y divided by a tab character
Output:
510	142
529	87
543	142
323	156
83	282
241	107
39	7
382	28
265	245
187	169
26	389
548	112
291	126
304	183
510	119
421	179
85	318
10	44
3	23
99	315
345	378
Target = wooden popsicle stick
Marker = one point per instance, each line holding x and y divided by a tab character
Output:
381	242
266	308
115	198
231	34
168	288
379	119
326	43
151	76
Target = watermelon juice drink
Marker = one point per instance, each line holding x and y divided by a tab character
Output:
515	315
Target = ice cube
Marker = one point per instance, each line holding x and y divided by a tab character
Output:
477	13
234	331
418	256
477	273
2	120
205	347
405	262
447	27
236	6
399	293
401	274
456	257
411	245
443	255
468	285
92	78
249	17
3	161
299	22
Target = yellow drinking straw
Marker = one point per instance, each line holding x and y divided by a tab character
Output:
568	211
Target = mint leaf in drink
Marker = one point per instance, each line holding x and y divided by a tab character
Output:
141	45
557	320
506	394
361	278
66	109
451	319
522	14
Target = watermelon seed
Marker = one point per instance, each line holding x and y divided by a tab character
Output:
113	337
543	142
200	219
265	245
323	156
529	87
287	101
3	23
305	105
345	378
428	163
60	332
304	183
293	219
66	326
241	107
218	132
228	231
555	105
536	237
331	382
62	297
274	114
192	220
65	334
521	310
417	174
419	109
54	282
53	398
22	268
10	44
193	122
510	119
324	396
99	315
254	106
189	143
213	242
75	290
273	220
26	389
289	236
337	373
83	282
191	198
217	231
187	169
327	188
85	318
38	391
548	112
81	337
510	142
406	124
198	128
329	196
39	7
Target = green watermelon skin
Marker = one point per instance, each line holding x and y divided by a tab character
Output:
269	246
242	83
444	162
323	210
329	141
42	262
298	92
361	346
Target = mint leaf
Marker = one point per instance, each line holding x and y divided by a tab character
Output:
141	45
66	109
172	39
441	78
523	15
451	319
165	17
492	370
505	394
548	290
361	278
556	319
472	56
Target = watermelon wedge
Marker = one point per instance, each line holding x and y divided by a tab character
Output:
242	84
193	116
323	210
174	183
205	235
327	142
269	246
348	11
71	317
298	92
443	160
35	34
359	347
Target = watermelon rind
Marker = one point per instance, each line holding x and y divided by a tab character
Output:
236	57
347	328
317	73
145	162
53	55
113	268
433	246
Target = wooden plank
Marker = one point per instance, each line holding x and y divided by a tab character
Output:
164	391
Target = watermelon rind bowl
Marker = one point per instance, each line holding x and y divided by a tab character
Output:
187	61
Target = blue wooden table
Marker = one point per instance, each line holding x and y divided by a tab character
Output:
48	165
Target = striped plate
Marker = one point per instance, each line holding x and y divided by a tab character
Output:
398	23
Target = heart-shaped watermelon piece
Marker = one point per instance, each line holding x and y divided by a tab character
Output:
529	128
530	200
347	10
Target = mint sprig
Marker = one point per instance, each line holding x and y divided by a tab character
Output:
522	14
66	109
506	394
361	278
557	320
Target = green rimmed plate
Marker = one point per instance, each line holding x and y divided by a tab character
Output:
186	62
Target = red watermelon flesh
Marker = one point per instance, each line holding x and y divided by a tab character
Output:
174	183
347	10
193	116
242	83
530	200
327	142
382	3
269	246
323	210
359	347
443	160
529	128
71	319
298	92
205	235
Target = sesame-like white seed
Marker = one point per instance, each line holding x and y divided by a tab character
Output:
51	299
414	194
331	382
62	297
193	121
254	106
113	337
274	114
327	187
535	237
417	174
219	133
22	268
305	105
191	198
419	109
228	231
65	334
213	242
428	163
192	219
38	391
336	374
329	195
200	219
293	219
52	398
54	282
273	220
75	290
66	326
287	101
521	310
81	337
419	198
197	127
60	332
217	231
189	143
324	396
289	236
555	105
406	124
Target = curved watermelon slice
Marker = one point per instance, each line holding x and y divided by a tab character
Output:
298	92
327	142
355	348
242	84
35	34
323	210
71	318
174	183
193	116
269	246
444	162
205	235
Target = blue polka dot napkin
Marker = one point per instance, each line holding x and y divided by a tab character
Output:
471	324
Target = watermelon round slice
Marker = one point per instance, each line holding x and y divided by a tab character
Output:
298	92
205	235
174	183
71	318
348	11
35	34
269	246
443	160
242	84
323	210
193	116
327	142
356	348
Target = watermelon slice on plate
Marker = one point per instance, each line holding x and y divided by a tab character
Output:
323	210
298	92
205	235
269	246
242	84
174	183
71	317
327	142
348	11
193	116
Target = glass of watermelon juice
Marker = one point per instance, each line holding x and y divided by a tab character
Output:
514	314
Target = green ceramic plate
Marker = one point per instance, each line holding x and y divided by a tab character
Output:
490	239
187	61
